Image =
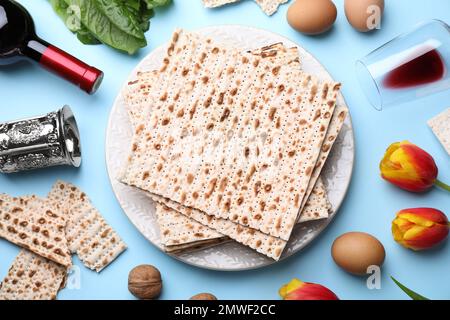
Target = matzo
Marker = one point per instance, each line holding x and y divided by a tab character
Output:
270	6
177	229
32	277
262	86
137	97
332	133
270	246
194	246
217	3
267	51
137	94
334	129
441	128
317	206
35	224
88	234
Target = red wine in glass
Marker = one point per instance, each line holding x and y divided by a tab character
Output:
424	69
18	40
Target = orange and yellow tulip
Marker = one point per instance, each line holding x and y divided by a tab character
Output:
299	290
420	228
409	167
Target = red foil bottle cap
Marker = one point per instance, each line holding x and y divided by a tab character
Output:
70	68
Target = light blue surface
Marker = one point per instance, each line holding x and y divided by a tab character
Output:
26	90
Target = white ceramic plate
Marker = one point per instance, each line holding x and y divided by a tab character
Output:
229	256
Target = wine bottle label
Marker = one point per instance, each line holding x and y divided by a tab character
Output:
39	142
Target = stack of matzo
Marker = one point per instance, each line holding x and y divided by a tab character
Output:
50	230
231	141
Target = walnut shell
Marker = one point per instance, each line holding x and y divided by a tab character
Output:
145	282
203	296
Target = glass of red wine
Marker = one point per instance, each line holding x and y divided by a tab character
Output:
409	67
18	40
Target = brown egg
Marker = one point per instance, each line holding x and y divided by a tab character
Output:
356	251
364	15
312	16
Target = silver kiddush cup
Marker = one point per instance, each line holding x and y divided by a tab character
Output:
43	141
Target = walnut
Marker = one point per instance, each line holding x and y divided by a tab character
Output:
145	282
203	296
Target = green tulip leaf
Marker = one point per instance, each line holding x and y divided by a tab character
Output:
413	295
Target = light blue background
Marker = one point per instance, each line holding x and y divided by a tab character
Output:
26	90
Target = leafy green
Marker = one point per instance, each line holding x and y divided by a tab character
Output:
120	16
86	37
120	24
139	9
152	4
413	295
72	22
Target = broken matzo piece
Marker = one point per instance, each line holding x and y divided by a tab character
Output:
217	3
270	6
32	277
441	128
88	234
37	225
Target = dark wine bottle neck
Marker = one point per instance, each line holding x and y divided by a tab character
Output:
35	49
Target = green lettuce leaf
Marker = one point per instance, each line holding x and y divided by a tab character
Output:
120	24
139	9
119	15
100	17
72	22
152	4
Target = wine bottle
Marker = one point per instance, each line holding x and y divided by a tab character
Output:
18	40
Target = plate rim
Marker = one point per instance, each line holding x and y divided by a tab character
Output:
178	258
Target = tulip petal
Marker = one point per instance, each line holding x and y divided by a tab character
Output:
423	162
428	238
403	224
298	290
430	214
396	232
408	167
416	219
420	228
403	160
291	286
413	233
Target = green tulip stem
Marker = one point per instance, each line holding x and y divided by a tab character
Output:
442	185
413	295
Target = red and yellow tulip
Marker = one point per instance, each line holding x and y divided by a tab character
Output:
420	228
299	290
409	167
